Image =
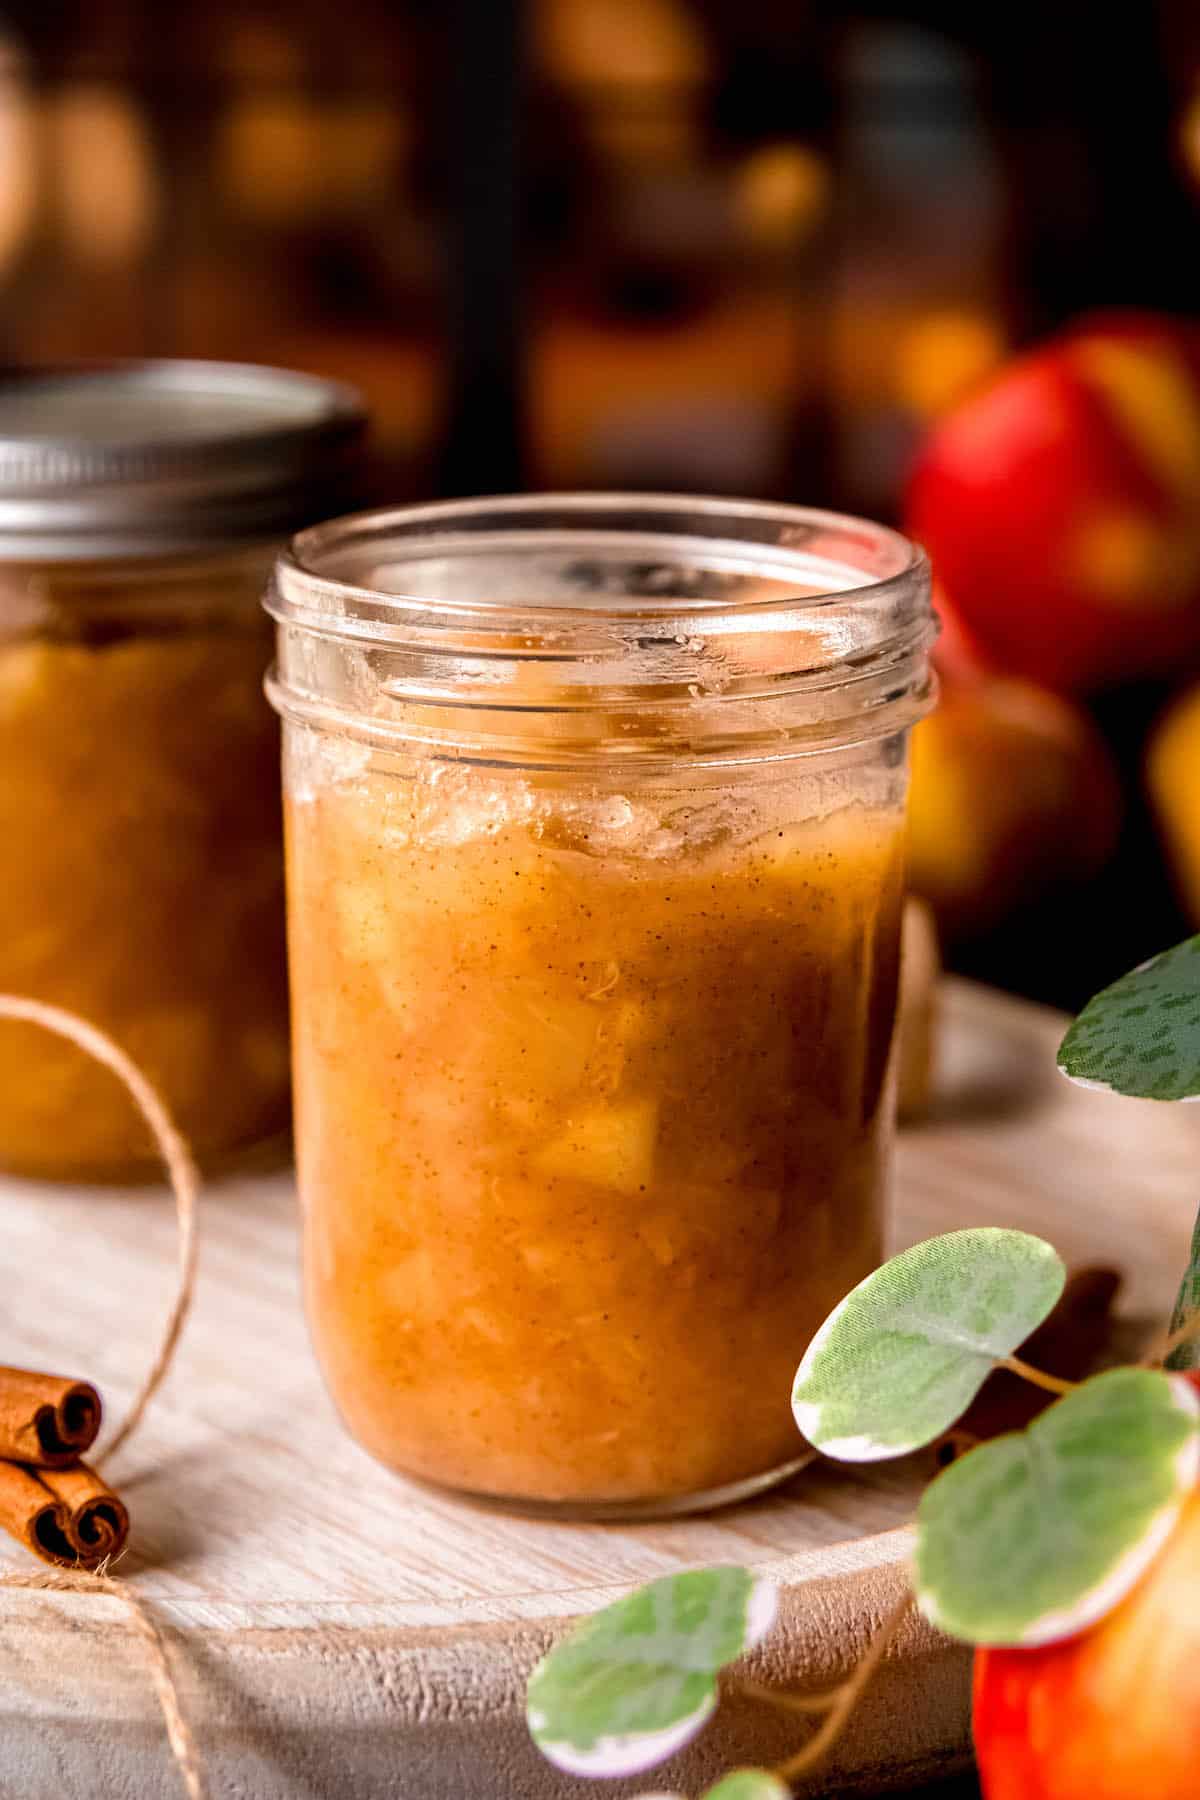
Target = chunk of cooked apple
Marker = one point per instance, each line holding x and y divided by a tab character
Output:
606	1146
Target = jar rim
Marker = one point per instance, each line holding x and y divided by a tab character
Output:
563	628
305	581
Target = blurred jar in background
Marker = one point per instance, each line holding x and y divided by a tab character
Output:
678	329
18	153
917	295
140	505
82	207
311	231
246	180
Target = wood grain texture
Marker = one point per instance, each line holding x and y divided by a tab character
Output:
339	1631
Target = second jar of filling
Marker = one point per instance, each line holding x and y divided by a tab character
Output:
595	816
141	506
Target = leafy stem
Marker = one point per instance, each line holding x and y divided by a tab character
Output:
785	1701
848	1695
1025	1539
1168	1342
1053	1384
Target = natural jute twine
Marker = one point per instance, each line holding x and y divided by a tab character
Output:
185	1185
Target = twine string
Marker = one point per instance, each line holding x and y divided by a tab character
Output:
179	1732
185	1186
181	1173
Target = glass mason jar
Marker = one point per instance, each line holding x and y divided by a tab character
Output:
595	812
141	506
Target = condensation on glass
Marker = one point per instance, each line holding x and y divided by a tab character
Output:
595	814
141	505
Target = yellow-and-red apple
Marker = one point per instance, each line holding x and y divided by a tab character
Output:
1112	1714
1060	505
1013	792
1173	784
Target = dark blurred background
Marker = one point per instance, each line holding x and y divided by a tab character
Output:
735	245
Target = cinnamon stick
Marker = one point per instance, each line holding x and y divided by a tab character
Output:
45	1420
68	1517
35	1517
98	1523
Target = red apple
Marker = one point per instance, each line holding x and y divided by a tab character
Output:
1060	505
957	655
1113	1714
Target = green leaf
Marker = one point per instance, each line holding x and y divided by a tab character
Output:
909	1348
1034	1536
1187	1304
1141	1036
749	1784
630	1685
743	1784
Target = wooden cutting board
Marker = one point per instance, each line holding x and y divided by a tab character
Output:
338	1631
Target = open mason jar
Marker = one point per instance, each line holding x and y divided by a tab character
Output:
595	814
141	506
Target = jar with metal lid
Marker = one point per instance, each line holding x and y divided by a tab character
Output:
595	814
140	507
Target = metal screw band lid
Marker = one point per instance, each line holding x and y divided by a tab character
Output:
154	458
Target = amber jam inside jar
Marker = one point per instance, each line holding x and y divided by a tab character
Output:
595	811
141	507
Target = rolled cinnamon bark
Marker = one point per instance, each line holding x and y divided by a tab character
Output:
36	1517
46	1420
98	1522
68	1517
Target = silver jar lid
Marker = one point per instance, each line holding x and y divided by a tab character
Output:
154	458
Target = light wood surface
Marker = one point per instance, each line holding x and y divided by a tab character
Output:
338	1631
